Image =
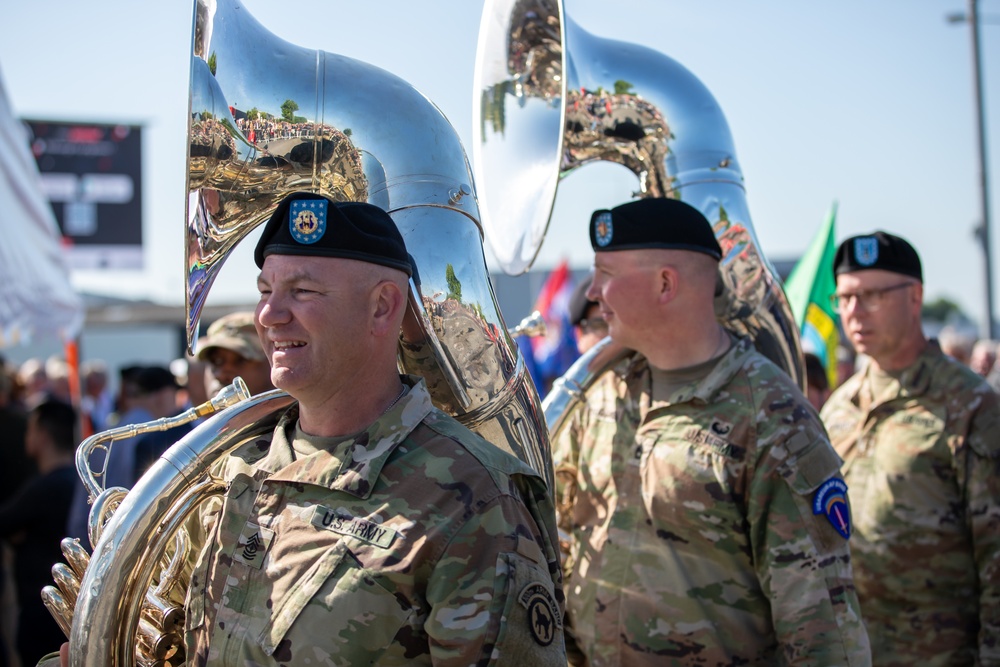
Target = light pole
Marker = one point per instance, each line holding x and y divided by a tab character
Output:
983	231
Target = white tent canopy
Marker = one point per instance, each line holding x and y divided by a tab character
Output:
36	297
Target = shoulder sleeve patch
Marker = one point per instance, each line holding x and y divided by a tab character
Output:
830	500
543	614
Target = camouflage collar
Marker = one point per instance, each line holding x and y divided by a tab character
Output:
353	465
914	380
728	365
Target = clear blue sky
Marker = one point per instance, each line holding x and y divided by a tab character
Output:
866	103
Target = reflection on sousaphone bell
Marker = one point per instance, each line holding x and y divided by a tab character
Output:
314	121
549	97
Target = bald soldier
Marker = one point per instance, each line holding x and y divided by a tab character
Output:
709	521
920	437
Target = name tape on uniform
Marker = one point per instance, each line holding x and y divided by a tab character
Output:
341	522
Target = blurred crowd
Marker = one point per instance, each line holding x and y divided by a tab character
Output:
42	421
42	499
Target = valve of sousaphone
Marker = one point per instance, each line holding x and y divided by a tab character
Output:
59	607
61	599
75	555
531	326
67	581
227	396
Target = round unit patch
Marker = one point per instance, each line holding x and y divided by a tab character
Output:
543	613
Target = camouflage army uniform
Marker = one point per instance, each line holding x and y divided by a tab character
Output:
922	462
415	543
694	536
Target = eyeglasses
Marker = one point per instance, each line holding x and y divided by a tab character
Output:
869	299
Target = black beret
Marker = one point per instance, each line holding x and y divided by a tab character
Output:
312	225
653	223
579	303
878	250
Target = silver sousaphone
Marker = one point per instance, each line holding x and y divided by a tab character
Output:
268	118
549	97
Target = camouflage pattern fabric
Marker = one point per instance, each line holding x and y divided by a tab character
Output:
922	462
694	539
413	543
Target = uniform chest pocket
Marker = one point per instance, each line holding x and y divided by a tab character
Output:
692	485
195	609
912	441
205	528
340	607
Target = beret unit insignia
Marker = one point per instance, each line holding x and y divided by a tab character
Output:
866	250
307	220
603	229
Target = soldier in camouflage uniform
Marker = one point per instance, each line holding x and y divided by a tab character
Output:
709	521
920	437
371	528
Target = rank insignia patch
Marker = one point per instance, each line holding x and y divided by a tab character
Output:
307	220
831	500
720	427
253	545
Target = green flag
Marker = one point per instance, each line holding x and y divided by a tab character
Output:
809	288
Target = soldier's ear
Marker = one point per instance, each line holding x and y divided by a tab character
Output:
668	281
389	305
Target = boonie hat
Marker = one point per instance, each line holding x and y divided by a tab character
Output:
579	303
234	332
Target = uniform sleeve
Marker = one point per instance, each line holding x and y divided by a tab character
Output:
802	560
565	462
493	600
979	472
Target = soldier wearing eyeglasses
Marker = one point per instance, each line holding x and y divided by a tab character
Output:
920	437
